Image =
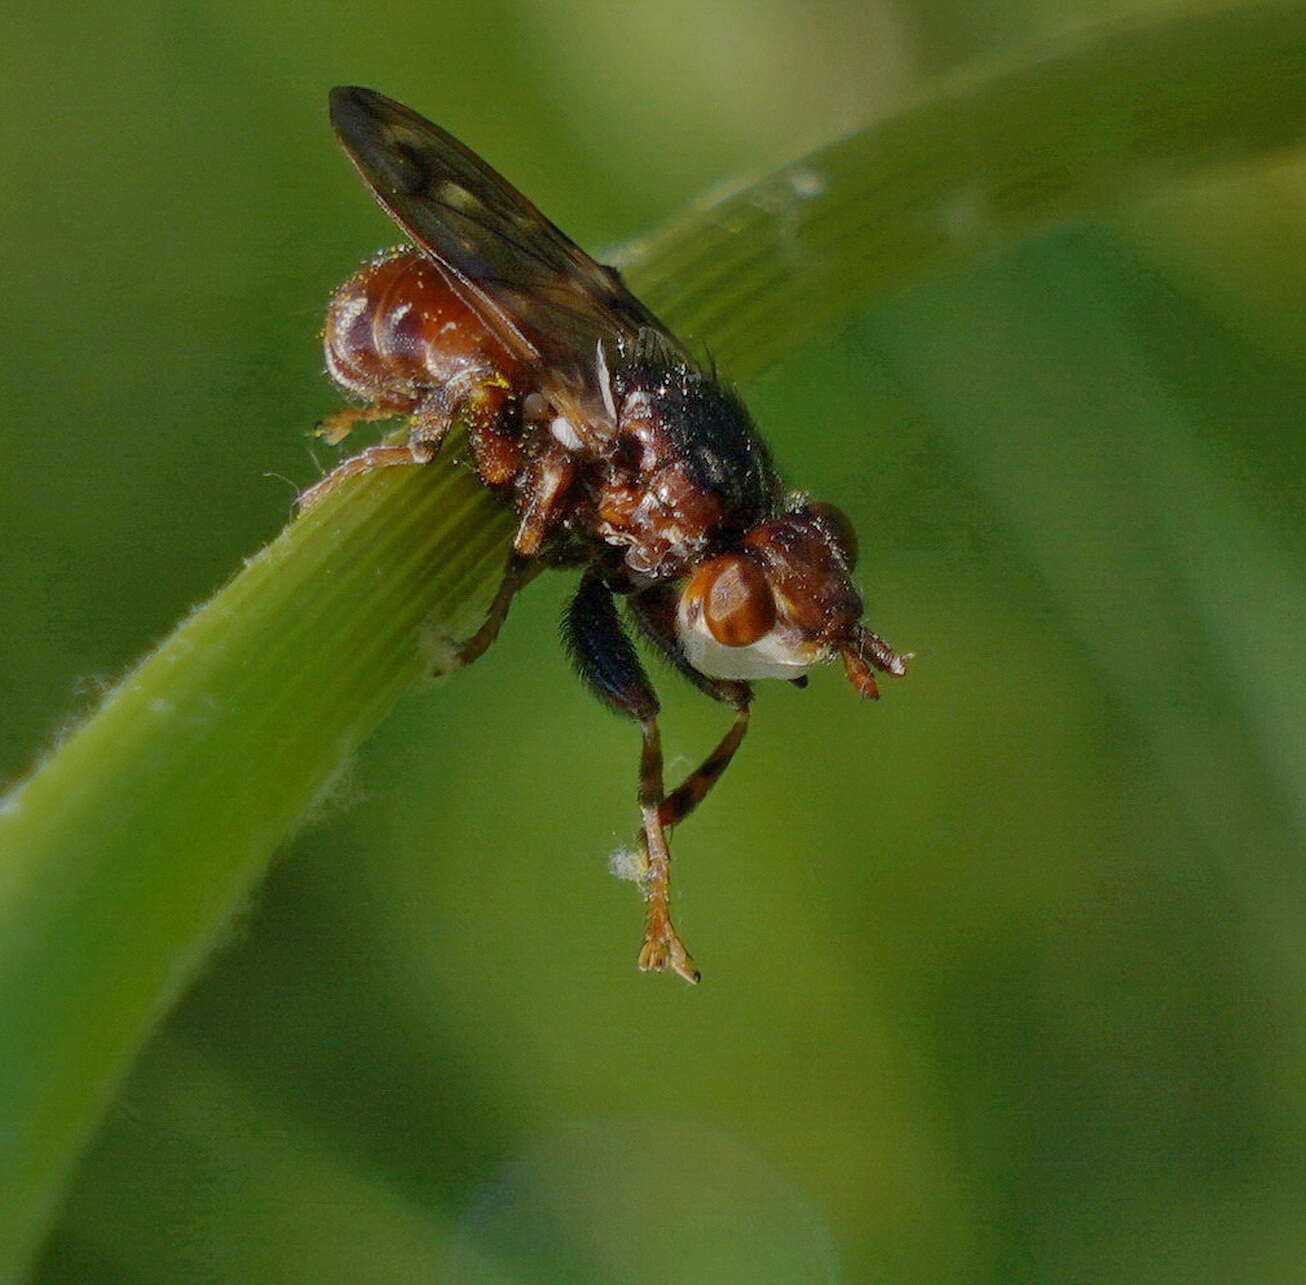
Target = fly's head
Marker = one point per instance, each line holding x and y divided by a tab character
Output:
781	602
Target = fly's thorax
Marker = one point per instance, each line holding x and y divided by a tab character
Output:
663	521
685	471
684	417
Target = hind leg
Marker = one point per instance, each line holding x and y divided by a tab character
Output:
368	461
431	415
654	611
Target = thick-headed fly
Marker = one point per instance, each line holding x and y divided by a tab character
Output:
620	454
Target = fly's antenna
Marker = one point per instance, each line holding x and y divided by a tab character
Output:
865	652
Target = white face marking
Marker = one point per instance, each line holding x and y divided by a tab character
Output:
779	654
562	430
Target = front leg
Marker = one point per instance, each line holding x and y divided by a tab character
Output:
606	660
654	610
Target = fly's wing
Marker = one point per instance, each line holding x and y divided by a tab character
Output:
551	304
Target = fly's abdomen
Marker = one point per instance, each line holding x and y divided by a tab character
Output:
395	330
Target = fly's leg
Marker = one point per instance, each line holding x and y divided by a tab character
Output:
545	486
606	660
484	407
662	946
514	576
334	428
542	498
482	400
654	611
368	461
695	787
430	422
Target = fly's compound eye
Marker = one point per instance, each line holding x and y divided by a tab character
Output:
835	520
734	598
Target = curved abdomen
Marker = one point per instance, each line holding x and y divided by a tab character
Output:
395	331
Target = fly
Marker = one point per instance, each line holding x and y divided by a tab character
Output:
621	455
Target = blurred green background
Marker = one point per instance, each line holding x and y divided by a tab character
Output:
1004	976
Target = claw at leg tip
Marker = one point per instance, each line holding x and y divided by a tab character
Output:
656	956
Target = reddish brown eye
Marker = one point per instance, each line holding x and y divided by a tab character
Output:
837	521
734	598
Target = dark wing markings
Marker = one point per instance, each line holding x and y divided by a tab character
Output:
547	300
